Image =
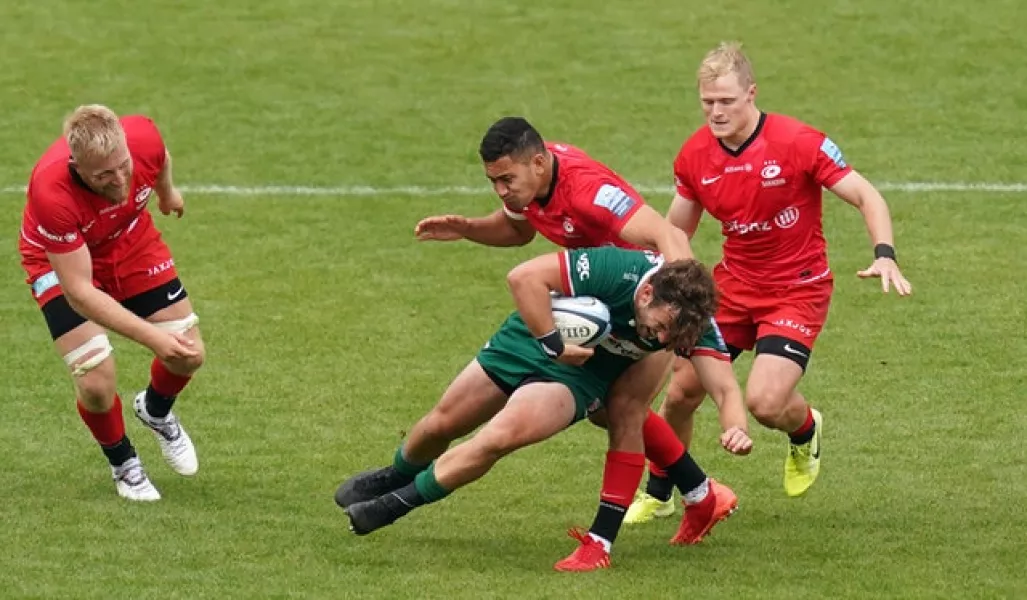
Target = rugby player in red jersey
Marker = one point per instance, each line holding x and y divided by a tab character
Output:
761	176
96	262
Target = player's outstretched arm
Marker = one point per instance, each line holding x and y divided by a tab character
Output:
685	214
718	379
75	273
857	191
496	229
647	228
168	197
530	285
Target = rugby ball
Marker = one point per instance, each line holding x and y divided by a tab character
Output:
582	321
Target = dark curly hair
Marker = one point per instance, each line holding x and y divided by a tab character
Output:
687	286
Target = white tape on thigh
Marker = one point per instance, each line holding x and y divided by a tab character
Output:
98	344
179	325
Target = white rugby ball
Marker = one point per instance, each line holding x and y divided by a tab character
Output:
582	321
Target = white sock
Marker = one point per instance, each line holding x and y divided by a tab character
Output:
698	493
607	544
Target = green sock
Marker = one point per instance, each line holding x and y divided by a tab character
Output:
428	487
403	466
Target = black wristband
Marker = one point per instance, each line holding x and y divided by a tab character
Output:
552	343
884	251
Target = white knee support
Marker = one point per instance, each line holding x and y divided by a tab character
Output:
98	344
179	325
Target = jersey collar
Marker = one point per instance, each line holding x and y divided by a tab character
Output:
748	142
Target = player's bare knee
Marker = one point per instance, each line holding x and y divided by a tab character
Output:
680	400
765	406
496	442
97	388
440	424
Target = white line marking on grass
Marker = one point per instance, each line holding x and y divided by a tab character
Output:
463	190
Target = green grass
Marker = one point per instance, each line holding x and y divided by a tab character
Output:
330	330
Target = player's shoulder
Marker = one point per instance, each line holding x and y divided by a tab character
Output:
144	139
697	143
588	180
573	161
51	180
785	129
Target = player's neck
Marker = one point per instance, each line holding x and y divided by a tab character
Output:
739	139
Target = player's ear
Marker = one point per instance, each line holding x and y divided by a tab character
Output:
538	163
752	92
645	293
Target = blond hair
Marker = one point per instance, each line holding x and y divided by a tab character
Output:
723	60
94	131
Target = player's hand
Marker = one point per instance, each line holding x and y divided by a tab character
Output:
171	346
575	356
444	228
888	270
172	204
736	441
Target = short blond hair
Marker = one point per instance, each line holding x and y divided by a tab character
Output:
723	60
93	130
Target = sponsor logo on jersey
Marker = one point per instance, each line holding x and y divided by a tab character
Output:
44	283
582	266
160	268
738	168
143	195
625	348
787	218
614	199
740	228
832	151
60	238
804	330
770	173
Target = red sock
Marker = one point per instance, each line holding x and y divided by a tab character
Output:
164	382
806	425
662	446
621	476
107	428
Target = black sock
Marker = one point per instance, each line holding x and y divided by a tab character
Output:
158	406
659	487
119	452
803	438
685	474
408	499
608	520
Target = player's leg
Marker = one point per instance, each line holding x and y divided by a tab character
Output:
87	352
787	332
146	282
627	415
470	400
167	305
534	412
684	394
